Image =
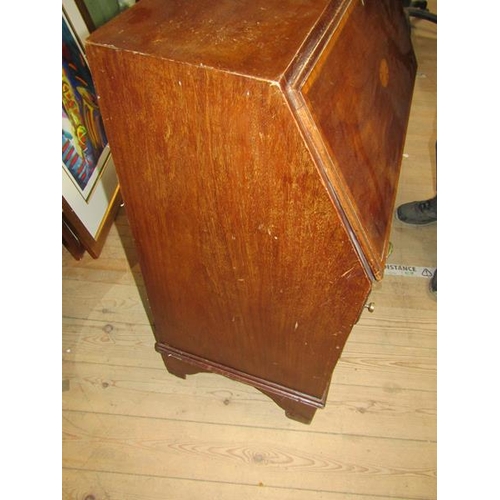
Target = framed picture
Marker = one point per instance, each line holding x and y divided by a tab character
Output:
96	12
90	189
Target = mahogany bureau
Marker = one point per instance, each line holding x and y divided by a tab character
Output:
258	145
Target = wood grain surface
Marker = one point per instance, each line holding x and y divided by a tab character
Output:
132	431
359	93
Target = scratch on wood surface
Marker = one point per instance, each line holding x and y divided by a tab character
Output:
348	271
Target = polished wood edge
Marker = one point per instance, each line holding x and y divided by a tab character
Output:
336	186
197	364
330	22
180	368
331	181
329	25
301	66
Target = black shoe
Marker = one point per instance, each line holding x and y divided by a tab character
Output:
434	282
418	212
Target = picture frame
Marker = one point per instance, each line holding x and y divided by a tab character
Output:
90	189
97	12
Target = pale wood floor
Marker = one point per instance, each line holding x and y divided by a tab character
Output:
132	431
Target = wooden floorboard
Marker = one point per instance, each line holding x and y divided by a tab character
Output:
147	487
388	412
340	463
132	431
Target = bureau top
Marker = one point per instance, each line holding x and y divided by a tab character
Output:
259	38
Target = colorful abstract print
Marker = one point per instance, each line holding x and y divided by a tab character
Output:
83	136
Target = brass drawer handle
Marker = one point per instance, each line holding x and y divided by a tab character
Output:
370	306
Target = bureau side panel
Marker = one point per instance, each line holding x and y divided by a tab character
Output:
245	260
